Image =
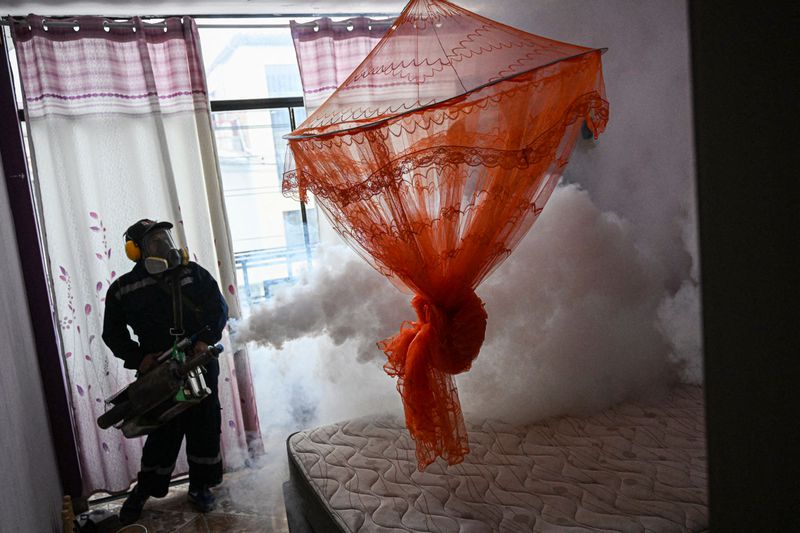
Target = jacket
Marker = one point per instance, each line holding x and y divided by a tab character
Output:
144	302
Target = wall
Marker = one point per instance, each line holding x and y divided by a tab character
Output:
642	167
31	499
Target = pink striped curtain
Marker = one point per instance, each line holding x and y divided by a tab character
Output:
328	51
119	124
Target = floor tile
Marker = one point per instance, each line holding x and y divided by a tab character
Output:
198	525
248	500
239	524
165	521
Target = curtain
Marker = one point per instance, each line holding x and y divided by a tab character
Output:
328	51
432	159
119	128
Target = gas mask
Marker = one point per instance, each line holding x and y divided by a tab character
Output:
159	251
151	242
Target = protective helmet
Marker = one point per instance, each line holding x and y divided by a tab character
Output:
152	242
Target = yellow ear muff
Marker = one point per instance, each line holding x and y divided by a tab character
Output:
133	251
185	256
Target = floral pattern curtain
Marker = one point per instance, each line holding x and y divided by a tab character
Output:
119	125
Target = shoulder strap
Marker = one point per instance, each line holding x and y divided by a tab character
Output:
179	303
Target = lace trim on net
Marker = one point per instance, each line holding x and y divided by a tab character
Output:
395	172
501	50
524	81
408	70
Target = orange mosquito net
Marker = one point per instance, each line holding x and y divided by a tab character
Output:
433	159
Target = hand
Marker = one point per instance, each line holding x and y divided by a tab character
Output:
148	362
199	347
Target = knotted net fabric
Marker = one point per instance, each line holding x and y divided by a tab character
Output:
432	160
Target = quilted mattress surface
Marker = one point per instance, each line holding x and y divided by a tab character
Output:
636	467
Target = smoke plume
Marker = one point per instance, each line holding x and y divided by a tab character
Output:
579	319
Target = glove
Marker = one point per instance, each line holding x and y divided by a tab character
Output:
148	362
199	347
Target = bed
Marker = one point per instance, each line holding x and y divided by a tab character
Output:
635	467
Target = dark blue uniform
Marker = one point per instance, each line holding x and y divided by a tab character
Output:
144	302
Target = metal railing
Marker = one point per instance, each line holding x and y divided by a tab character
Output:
284	259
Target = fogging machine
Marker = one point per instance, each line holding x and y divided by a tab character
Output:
174	384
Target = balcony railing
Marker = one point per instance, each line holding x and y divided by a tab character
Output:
275	266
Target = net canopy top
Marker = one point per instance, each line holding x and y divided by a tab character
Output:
434	52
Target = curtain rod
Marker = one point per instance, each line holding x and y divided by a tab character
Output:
68	21
61	23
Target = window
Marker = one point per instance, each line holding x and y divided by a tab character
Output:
283	80
298	233
246	62
256	99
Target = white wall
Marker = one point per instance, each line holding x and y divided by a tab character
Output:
31	492
642	167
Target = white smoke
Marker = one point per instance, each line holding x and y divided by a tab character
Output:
572	319
679	315
343	299
678	319
313	345
577	322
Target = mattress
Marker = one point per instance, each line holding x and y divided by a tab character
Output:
635	467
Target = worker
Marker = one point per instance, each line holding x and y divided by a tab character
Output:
143	300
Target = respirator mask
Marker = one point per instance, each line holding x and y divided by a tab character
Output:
159	252
151	242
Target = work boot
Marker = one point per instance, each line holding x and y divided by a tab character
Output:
132	508
202	498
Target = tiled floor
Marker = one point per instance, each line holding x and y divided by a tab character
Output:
248	501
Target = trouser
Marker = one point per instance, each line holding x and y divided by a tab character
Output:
201	425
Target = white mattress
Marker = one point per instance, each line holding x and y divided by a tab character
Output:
632	468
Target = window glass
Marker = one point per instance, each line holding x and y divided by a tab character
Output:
295	231
271	243
249	62
299	115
